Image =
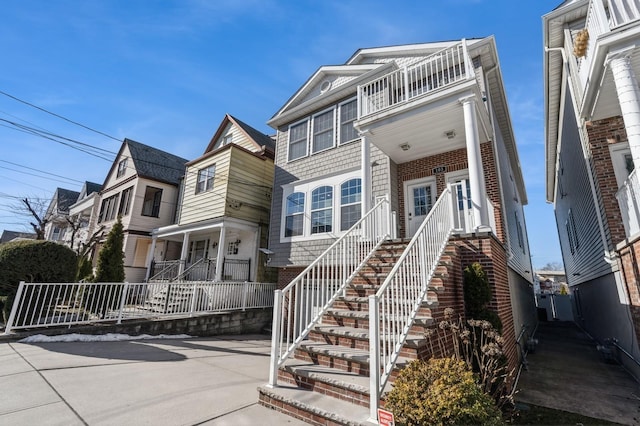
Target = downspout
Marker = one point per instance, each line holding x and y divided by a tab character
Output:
608	258
505	219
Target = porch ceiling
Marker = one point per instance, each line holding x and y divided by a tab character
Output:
606	102
423	127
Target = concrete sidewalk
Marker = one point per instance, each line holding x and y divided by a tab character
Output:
566	372
196	381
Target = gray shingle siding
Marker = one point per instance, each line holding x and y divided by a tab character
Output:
341	159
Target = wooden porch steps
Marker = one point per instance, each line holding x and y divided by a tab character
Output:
327	380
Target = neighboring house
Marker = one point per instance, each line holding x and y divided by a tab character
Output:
142	188
550	281
223	212
83	216
591	68
426	127
15	235
58	227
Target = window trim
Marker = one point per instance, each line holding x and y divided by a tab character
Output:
211	178
339	120
307	122
154	207
122	167
312	133
342	205
306	187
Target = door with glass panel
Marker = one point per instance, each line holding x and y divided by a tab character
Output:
420	195
462	205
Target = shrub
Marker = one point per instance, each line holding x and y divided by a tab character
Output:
480	347
477	295
110	259
33	261
442	391
85	269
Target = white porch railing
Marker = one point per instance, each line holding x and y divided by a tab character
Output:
301	304
165	270
604	16
629	201
394	307
66	304
440	70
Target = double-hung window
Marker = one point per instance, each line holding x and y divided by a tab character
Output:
152	200
294	219
321	209
205	179
348	115
122	168
323	131
350	207
298	140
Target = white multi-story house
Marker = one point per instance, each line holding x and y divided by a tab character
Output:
223	213
412	144
83	215
142	188
592	112
58	227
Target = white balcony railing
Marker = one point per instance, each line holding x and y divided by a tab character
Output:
440	70
629	201
604	16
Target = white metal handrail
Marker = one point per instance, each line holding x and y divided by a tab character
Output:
439	70
393	309
629	203
301	304
65	304
168	270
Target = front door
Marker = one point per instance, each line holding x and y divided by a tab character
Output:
462	207
420	195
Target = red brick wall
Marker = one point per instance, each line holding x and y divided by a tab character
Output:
602	134
455	160
491	254
286	275
628	260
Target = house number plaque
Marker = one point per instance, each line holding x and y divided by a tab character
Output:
439	169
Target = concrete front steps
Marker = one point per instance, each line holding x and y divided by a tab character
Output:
327	380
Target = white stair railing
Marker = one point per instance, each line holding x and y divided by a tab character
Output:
393	309
301	304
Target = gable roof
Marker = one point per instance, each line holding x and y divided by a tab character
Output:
91	187
64	198
258	138
152	163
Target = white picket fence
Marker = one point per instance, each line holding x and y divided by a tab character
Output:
65	304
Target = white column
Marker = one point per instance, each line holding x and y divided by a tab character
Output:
365	165
474	158
629	99
220	256
150	257
184	252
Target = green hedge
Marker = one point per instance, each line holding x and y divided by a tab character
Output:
33	261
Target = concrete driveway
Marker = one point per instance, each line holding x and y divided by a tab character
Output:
194	381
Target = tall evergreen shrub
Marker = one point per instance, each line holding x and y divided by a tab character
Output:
111	258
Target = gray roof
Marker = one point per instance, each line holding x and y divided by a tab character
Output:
92	187
156	164
12	235
259	137
65	198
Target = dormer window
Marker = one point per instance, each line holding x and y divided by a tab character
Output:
122	167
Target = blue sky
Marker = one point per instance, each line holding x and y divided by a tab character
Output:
165	72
